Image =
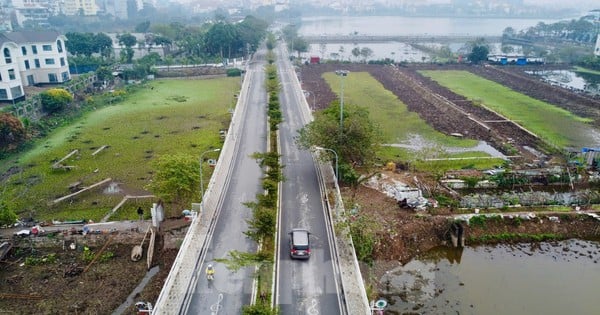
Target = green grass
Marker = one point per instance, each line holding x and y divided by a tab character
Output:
169	116
554	125
586	70
398	124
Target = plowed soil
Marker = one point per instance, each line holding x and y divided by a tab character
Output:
451	113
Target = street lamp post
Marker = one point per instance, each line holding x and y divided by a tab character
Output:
336	159
342	74
201	181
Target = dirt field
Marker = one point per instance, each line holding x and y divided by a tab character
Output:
451	113
66	283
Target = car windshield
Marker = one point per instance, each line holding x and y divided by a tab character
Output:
301	247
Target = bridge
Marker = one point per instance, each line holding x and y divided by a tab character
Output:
458	38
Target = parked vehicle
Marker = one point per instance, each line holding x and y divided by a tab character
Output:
299	244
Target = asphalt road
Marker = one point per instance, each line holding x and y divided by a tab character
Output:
229	291
303	287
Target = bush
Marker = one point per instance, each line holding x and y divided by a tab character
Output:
234	72
55	100
12	131
7	215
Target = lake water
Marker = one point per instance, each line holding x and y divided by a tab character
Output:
396	25
543	278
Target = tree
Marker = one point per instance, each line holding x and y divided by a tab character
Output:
508	32
176	178
55	100
355	144
356	52
366	52
127	40
7	215
219	37
299	45
103	44
12	131
479	53
80	43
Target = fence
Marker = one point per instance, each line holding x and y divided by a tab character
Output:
32	108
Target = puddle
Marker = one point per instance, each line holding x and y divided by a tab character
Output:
418	143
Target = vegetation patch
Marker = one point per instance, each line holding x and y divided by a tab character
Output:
127	129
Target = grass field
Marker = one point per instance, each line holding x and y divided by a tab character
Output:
397	123
555	125
167	116
586	70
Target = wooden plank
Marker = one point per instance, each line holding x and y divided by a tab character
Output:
151	248
100	149
85	189
57	164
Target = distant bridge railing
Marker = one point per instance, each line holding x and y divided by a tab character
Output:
458	38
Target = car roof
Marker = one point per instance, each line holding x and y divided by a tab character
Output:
300	236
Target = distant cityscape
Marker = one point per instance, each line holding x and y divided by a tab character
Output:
32	14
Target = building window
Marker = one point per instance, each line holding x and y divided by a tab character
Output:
11	74
37	63
16	91
3	94
59	46
47	47
34	49
24	50
52	77
49	61
7	58
27	64
65	76
62	61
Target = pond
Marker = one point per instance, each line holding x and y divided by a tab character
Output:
584	82
537	278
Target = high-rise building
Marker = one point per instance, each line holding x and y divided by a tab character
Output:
79	7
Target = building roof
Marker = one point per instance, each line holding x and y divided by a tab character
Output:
24	37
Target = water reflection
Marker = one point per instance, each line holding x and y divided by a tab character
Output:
583	82
538	278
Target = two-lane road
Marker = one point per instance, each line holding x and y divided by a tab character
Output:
303	287
229	291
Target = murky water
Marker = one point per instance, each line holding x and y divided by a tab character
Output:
544	278
589	83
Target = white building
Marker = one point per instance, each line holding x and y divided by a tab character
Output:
31	57
79	7
143	47
597	48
